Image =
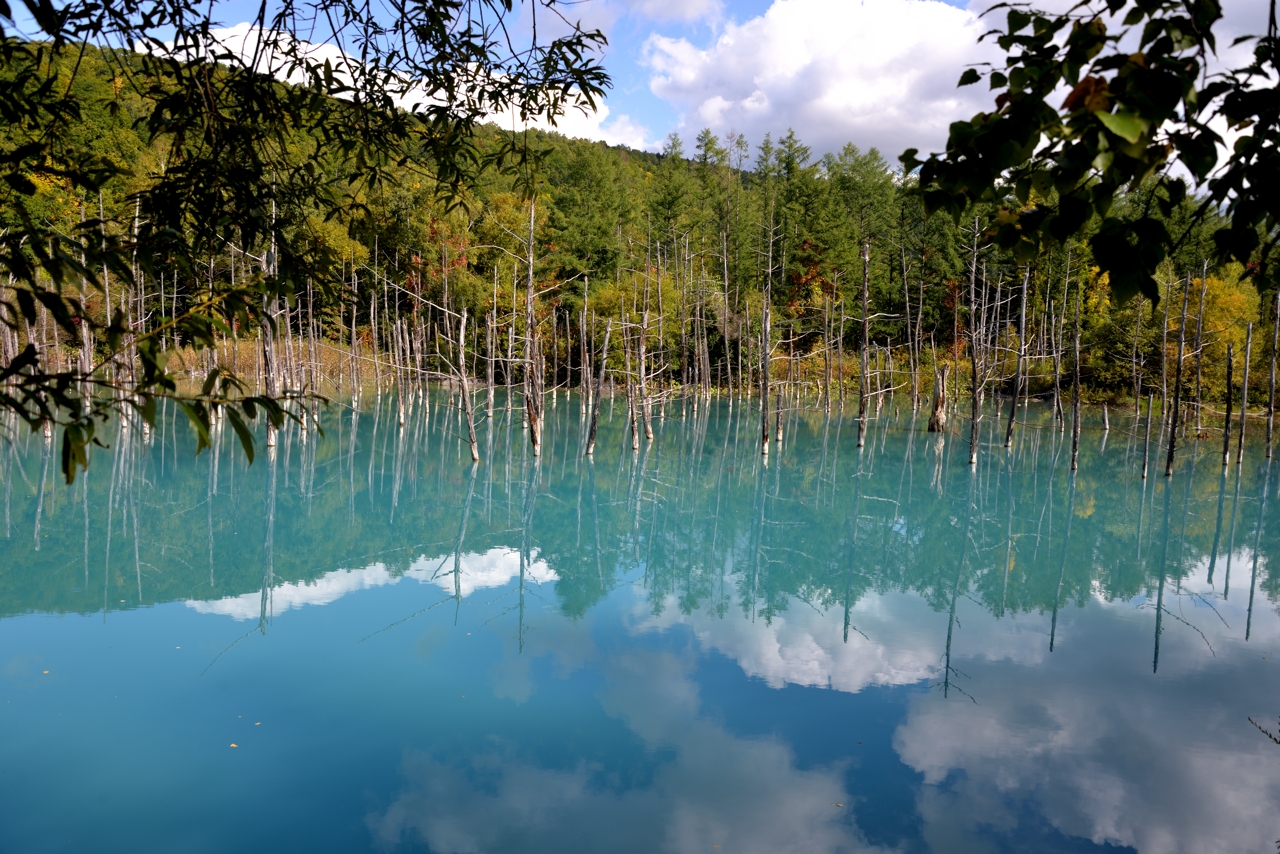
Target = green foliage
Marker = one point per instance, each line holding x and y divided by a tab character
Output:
200	149
1132	119
155	219
589	208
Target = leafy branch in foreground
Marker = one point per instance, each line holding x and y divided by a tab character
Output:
254	141
1139	108
1265	731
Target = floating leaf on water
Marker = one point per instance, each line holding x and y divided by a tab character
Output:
233	744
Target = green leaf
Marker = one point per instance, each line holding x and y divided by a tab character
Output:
73	455
147	409
210	382
26	304
969	77
199	419
1124	124
242	431
1025	251
20	183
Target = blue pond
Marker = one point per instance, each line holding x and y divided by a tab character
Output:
361	642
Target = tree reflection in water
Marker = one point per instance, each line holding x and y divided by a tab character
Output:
1015	585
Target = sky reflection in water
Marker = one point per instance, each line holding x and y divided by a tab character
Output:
671	650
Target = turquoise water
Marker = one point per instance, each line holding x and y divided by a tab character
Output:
677	649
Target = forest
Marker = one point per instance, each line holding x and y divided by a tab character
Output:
720	266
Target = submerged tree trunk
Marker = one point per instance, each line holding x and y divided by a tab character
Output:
533	354
595	402
938	416
1204	287
973	353
584	360
1146	443
1177	382
764	373
1022	347
1226	424
866	332
1271	391
1137	374
1075	390
466	389
643	387
1244	391
632	409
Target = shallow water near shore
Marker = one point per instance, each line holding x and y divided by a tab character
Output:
363	643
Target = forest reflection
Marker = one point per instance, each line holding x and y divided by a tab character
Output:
697	517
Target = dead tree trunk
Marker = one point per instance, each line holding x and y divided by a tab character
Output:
533	356
1226	425
973	353
1022	347
595	401
643	387
764	370
1075	383
938	415
1244	390
1204	287
1177	382
466	388
1137	373
866	339
1271	391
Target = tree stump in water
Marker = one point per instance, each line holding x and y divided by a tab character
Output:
938	417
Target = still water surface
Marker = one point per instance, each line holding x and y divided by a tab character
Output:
363	643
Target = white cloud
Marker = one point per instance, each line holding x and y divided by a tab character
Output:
709	789
896	639
476	571
1087	737
246	43
493	568
1103	748
601	126
876	73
